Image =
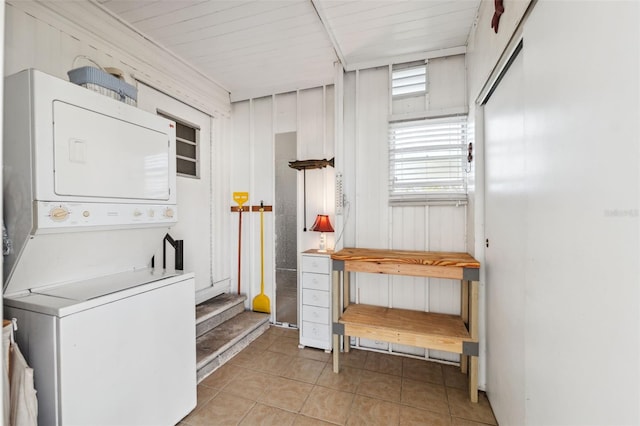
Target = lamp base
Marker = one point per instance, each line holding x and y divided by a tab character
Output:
323	243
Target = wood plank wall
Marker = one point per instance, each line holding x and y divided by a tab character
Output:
371	222
255	123
367	218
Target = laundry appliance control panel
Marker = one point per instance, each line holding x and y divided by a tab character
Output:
56	216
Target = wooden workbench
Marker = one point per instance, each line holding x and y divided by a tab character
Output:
429	330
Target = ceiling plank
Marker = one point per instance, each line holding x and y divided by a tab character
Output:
254	62
268	19
425	15
156	9
405	39
417	56
297	33
123	6
386	12
186	14
315	49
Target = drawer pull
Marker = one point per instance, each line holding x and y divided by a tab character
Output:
315	281
315	314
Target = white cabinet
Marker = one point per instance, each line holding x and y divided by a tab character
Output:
315	300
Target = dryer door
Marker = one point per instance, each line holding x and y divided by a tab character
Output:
105	157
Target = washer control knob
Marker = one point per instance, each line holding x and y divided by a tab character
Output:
151	213
58	214
168	212
137	213
86	213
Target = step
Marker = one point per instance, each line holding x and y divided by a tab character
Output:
217	310
215	348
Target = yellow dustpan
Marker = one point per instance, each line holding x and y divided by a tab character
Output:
261	302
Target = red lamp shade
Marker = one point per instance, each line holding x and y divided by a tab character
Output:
322	224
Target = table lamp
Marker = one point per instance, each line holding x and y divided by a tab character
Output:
322	225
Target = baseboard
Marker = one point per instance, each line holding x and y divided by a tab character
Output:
207	293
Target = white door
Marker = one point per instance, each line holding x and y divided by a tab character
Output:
505	229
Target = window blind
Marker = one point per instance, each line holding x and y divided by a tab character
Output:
427	160
409	81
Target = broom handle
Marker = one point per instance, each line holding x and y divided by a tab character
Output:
261	249
239	244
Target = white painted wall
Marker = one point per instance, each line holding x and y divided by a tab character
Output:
581	244
240	181
50	35
203	224
309	113
2	7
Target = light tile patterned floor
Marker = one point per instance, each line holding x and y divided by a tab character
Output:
272	382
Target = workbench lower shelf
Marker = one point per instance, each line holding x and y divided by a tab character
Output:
414	328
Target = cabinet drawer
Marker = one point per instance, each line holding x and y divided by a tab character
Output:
315	298
315	281
315	314
312	330
317	264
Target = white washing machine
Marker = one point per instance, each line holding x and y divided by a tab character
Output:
113	350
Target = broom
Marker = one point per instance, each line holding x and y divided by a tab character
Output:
261	302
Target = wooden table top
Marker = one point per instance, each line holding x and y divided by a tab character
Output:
427	258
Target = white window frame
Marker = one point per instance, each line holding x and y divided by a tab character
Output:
428	160
196	144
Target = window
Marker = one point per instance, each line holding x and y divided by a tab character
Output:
409	80
187	147
427	160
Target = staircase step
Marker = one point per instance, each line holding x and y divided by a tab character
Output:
215	311
217	346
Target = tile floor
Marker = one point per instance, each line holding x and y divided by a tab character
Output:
272	382
287	296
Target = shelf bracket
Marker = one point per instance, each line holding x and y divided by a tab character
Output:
338	265
338	328
471	274
470	348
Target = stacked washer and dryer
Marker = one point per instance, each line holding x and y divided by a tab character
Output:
89	193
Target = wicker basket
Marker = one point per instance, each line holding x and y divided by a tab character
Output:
99	81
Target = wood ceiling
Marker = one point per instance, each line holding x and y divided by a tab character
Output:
257	48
